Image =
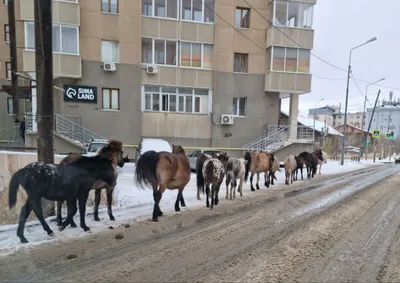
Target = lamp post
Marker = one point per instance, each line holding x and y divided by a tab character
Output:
315	109
362	122
347	98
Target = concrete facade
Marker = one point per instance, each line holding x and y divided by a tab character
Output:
209	64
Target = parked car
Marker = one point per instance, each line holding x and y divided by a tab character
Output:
194	154
94	146
397	159
152	144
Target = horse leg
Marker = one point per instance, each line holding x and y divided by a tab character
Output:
37	209
227	181
183	204
178	198
75	208
267	179
258	179
25	211
207	195
241	186
157	194
212	196
272	175
71	211
301	170
83	196
109	204
97	196
251	182
59	218
233	188
216	192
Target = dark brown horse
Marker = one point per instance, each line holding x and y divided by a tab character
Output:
164	170
300	166
113	151
258	162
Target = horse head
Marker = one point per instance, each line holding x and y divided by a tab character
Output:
318	152
223	157
177	149
113	150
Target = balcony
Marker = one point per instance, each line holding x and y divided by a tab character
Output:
283	82
305	37
64	65
65	12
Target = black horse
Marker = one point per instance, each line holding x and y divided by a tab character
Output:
69	183
311	161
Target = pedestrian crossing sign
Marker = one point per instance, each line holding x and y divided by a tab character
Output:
376	134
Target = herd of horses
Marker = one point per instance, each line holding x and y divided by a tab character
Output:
72	179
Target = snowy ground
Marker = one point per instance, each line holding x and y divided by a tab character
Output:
133	204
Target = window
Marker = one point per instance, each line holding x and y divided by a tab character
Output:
197	55
8	70
242	17
239	106
240	63
109	51
173	99
197	10
65	38
290	60
5	2
7	33
162	8
164	52
10	106
111	99
293	14
159	51
109	6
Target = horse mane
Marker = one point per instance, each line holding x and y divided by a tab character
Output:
178	149
112	145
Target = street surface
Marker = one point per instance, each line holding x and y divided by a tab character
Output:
341	227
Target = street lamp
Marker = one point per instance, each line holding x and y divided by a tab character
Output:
362	122
347	98
315	109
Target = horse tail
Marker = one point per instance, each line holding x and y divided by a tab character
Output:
199	173
146	166
13	187
247	157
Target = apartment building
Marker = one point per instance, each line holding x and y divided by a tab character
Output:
194	72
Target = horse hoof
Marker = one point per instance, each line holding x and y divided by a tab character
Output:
51	234
160	214
176	209
73	225
183	204
86	229
112	218
252	189
24	241
154	219
61	228
96	218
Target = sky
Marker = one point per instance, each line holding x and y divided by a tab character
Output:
340	25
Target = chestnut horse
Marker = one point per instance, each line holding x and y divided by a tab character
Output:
257	162
164	170
113	151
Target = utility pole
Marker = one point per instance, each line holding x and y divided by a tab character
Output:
44	86
369	127
13	59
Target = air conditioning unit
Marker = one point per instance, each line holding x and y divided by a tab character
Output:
152	69
109	67
226	119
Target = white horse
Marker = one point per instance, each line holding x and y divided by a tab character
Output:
325	157
235	169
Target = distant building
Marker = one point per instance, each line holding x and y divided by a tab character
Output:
386	118
333	116
323	114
